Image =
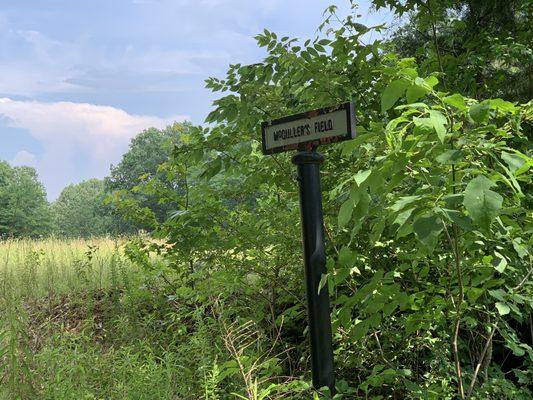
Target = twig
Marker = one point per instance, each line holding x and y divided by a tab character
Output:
480	362
381	351
283	168
435	40
524	280
328	233
457	323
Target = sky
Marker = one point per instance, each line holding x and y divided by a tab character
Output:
79	79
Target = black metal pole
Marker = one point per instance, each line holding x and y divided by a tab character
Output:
315	265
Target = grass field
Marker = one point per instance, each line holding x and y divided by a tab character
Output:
74	326
80	321
34	268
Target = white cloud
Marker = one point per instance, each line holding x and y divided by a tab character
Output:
32	63
207	35
24	157
74	133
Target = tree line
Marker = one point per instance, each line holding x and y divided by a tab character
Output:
83	209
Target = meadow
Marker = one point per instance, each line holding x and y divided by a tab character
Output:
36	268
78	320
73	326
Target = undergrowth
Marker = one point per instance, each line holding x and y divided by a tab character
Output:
108	331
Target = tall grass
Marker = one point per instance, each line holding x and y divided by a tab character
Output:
77	322
35	268
34	276
80	321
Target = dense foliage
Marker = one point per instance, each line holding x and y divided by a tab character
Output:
79	211
139	164
483	47
92	208
24	210
427	214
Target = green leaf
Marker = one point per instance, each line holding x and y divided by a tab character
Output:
424	124
392	93
482	203
355	194
404	201
322	283
360	27
404	230
412	323
503	308
360	212
519	248
374	305
431	81
456	100
346	257
345	316
427	229
438	121
473	294
501	105
450	157
412	105
417	90
479	113
345	213
360	330
453	200
402	217
514	161
389	308
498	294
413	387
377	230
435	122
362	176
350	145
499	262
457	217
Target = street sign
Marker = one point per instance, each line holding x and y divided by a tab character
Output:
304	132
309	129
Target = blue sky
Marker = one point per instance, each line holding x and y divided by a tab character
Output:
78	79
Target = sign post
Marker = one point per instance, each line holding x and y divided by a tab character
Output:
305	132
318	311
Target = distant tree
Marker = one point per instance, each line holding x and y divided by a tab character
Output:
140	165
5	179
24	210
79	211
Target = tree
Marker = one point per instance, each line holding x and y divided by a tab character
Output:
480	47
140	164
24	210
79	210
